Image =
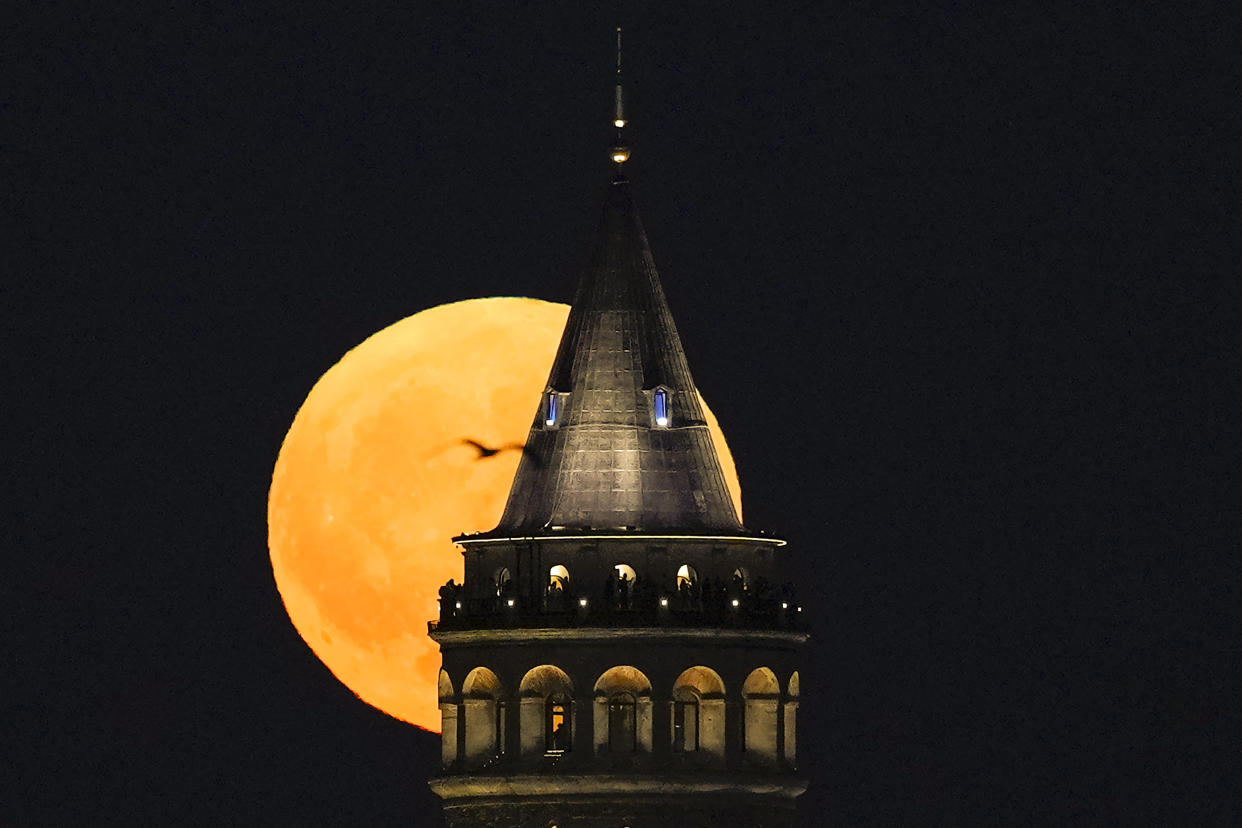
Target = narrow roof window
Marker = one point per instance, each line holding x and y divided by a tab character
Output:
551	409
661	408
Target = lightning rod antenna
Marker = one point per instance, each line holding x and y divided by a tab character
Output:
620	152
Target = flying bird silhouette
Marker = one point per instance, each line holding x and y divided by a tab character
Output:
488	451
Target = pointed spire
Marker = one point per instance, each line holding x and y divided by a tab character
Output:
619	440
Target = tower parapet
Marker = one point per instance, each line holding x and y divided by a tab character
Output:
620	580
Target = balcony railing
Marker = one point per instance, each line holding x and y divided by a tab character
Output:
747	611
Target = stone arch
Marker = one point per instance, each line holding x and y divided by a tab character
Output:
558	575
622	717
791	719
698	714
483	716
444	687
447	697
761	694
547	700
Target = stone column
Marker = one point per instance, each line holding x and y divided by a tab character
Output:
735	714
661	725
532	710
513	732
780	729
461	731
581	712
448	735
791	731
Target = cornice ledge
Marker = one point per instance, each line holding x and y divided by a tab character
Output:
476	787
520	635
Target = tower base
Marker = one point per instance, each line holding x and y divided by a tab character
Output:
617	801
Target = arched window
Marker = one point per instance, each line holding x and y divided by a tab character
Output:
622	587
551	409
546	718
688	594
622	711
741	579
699	714
558	588
760	699
503	580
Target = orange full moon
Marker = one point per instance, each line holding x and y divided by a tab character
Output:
373	480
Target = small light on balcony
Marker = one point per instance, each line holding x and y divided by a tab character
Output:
735	602
509	602
458	604
664	602
784	605
799	609
582	602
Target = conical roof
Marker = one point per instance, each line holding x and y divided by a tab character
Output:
604	462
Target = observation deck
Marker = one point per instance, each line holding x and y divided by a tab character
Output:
774	611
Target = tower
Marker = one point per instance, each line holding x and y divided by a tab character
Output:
620	653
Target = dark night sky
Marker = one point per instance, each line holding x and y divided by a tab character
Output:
950	278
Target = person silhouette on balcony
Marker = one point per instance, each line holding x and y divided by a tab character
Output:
448	599
556	595
560	738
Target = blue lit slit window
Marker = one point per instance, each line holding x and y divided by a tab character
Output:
551	409
661	408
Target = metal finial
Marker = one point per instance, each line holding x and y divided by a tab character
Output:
620	152
619	120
